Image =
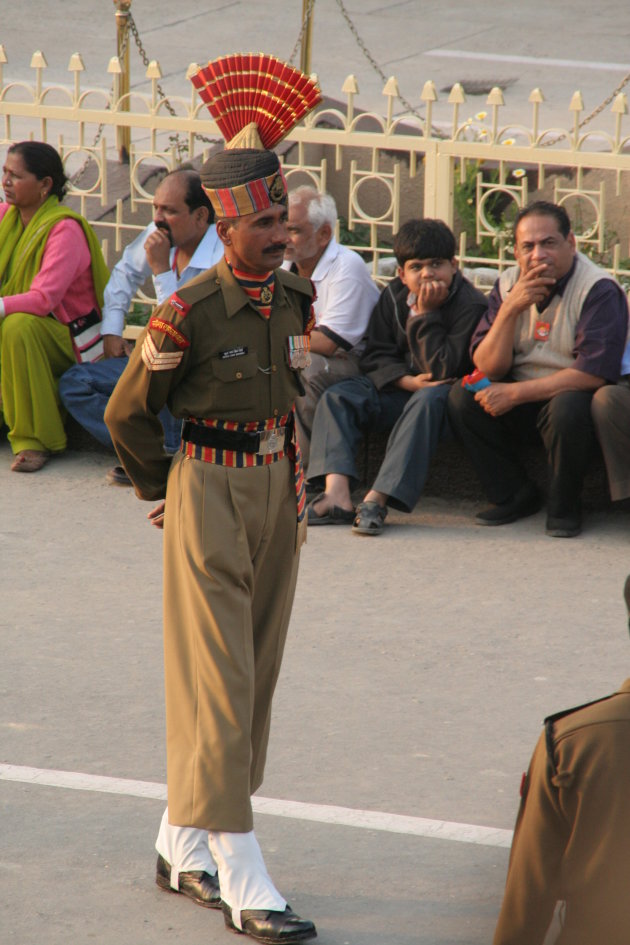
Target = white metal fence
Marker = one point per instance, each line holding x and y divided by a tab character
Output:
471	170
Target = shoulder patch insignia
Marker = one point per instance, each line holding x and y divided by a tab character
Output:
159	360
179	305
158	324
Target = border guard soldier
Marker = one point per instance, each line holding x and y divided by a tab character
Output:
225	352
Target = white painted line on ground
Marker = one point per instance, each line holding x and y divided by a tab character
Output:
529	60
76	781
392	823
321	813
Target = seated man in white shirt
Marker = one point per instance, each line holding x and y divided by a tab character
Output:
346	295
180	244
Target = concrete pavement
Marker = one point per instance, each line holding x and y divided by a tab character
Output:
419	667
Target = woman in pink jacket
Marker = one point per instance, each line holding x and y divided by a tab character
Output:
52	277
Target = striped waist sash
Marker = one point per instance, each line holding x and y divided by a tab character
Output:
246	445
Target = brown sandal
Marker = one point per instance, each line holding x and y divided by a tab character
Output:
30	461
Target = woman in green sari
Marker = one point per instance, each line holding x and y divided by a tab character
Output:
52	277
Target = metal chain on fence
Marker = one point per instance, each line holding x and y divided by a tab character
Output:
175	140
99	131
370	58
596	111
76	177
607	101
298	42
180	146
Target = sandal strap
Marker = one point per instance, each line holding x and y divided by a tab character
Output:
368	513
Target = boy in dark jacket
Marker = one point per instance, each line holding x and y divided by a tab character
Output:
416	346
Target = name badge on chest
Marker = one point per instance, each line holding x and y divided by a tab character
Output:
299	351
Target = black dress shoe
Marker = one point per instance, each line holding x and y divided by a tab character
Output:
527	501
271	928
566	526
118	477
198	885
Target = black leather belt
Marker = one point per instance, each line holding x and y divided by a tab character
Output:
265	441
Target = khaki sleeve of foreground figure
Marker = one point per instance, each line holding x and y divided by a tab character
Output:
532	886
572	837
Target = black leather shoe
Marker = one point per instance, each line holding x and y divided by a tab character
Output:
118	477
199	886
527	501
567	526
271	928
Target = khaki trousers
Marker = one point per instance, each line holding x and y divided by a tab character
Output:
230	568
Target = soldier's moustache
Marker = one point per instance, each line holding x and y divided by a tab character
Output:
276	248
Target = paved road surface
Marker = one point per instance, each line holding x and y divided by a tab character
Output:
419	667
558	46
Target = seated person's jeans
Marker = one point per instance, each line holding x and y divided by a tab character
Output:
85	389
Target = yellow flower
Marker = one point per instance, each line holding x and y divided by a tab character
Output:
483	133
508	141
519	172
481	115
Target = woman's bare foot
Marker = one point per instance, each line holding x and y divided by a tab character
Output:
30	461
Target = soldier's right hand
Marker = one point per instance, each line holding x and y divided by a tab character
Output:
156	515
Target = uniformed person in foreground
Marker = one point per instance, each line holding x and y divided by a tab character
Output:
571	849
225	354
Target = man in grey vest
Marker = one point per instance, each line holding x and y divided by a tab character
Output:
554	333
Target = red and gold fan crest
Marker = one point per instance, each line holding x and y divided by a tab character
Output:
254	88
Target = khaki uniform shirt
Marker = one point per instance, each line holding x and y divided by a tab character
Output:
208	353
572	836
230	534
